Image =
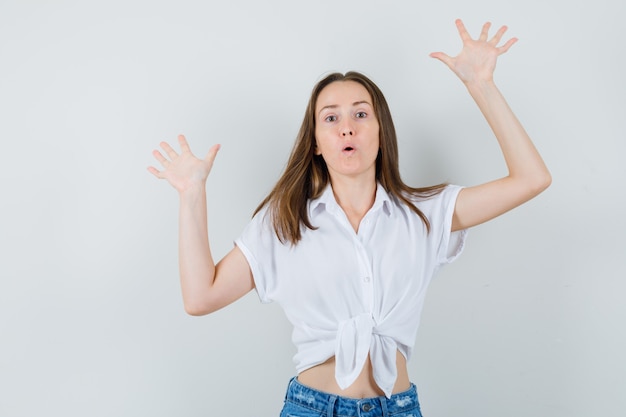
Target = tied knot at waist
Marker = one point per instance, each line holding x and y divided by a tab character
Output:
356	338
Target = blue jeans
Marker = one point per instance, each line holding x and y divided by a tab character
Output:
302	401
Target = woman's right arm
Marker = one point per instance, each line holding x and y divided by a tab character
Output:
206	287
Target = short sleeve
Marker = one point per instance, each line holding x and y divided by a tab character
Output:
257	242
450	244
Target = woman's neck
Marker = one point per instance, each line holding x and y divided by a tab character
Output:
355	197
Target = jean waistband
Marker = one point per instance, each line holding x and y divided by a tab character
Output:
338	406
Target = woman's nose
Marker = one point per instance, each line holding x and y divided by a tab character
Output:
346	130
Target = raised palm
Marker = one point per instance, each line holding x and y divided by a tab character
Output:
477	60
185	169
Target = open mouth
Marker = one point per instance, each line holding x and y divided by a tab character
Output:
348	148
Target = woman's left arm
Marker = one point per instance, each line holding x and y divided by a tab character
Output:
528	175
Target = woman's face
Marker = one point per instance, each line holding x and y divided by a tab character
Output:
346	130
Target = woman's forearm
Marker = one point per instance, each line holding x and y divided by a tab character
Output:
522	159
196	265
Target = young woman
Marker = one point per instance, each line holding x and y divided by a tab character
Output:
346	247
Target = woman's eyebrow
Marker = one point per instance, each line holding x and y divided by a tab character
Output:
334	106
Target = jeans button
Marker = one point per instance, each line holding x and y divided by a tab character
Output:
366	407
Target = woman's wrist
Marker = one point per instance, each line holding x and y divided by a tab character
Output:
480	86
192	191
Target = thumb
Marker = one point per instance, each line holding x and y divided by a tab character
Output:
210	156
442	57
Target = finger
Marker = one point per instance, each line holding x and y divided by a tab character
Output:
484	33
506	46
170	151
496	38
442	57
159	157
184	146
465	36
155	172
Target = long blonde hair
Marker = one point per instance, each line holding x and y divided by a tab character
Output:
306	175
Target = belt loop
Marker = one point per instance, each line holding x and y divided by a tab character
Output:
331	405
383	405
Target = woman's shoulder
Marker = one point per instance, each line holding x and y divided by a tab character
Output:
435	205
432	197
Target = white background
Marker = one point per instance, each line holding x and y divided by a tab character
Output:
529	321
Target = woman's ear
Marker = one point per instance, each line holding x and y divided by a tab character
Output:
316	149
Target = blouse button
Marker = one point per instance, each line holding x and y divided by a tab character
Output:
366	279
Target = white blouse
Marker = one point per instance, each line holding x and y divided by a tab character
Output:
348	294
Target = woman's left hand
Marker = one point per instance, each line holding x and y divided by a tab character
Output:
477	60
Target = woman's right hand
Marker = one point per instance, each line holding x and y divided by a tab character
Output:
183	170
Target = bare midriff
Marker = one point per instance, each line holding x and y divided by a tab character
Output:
322	378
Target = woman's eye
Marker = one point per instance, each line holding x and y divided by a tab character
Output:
361	115
331	118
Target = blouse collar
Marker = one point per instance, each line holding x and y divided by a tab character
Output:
327	202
